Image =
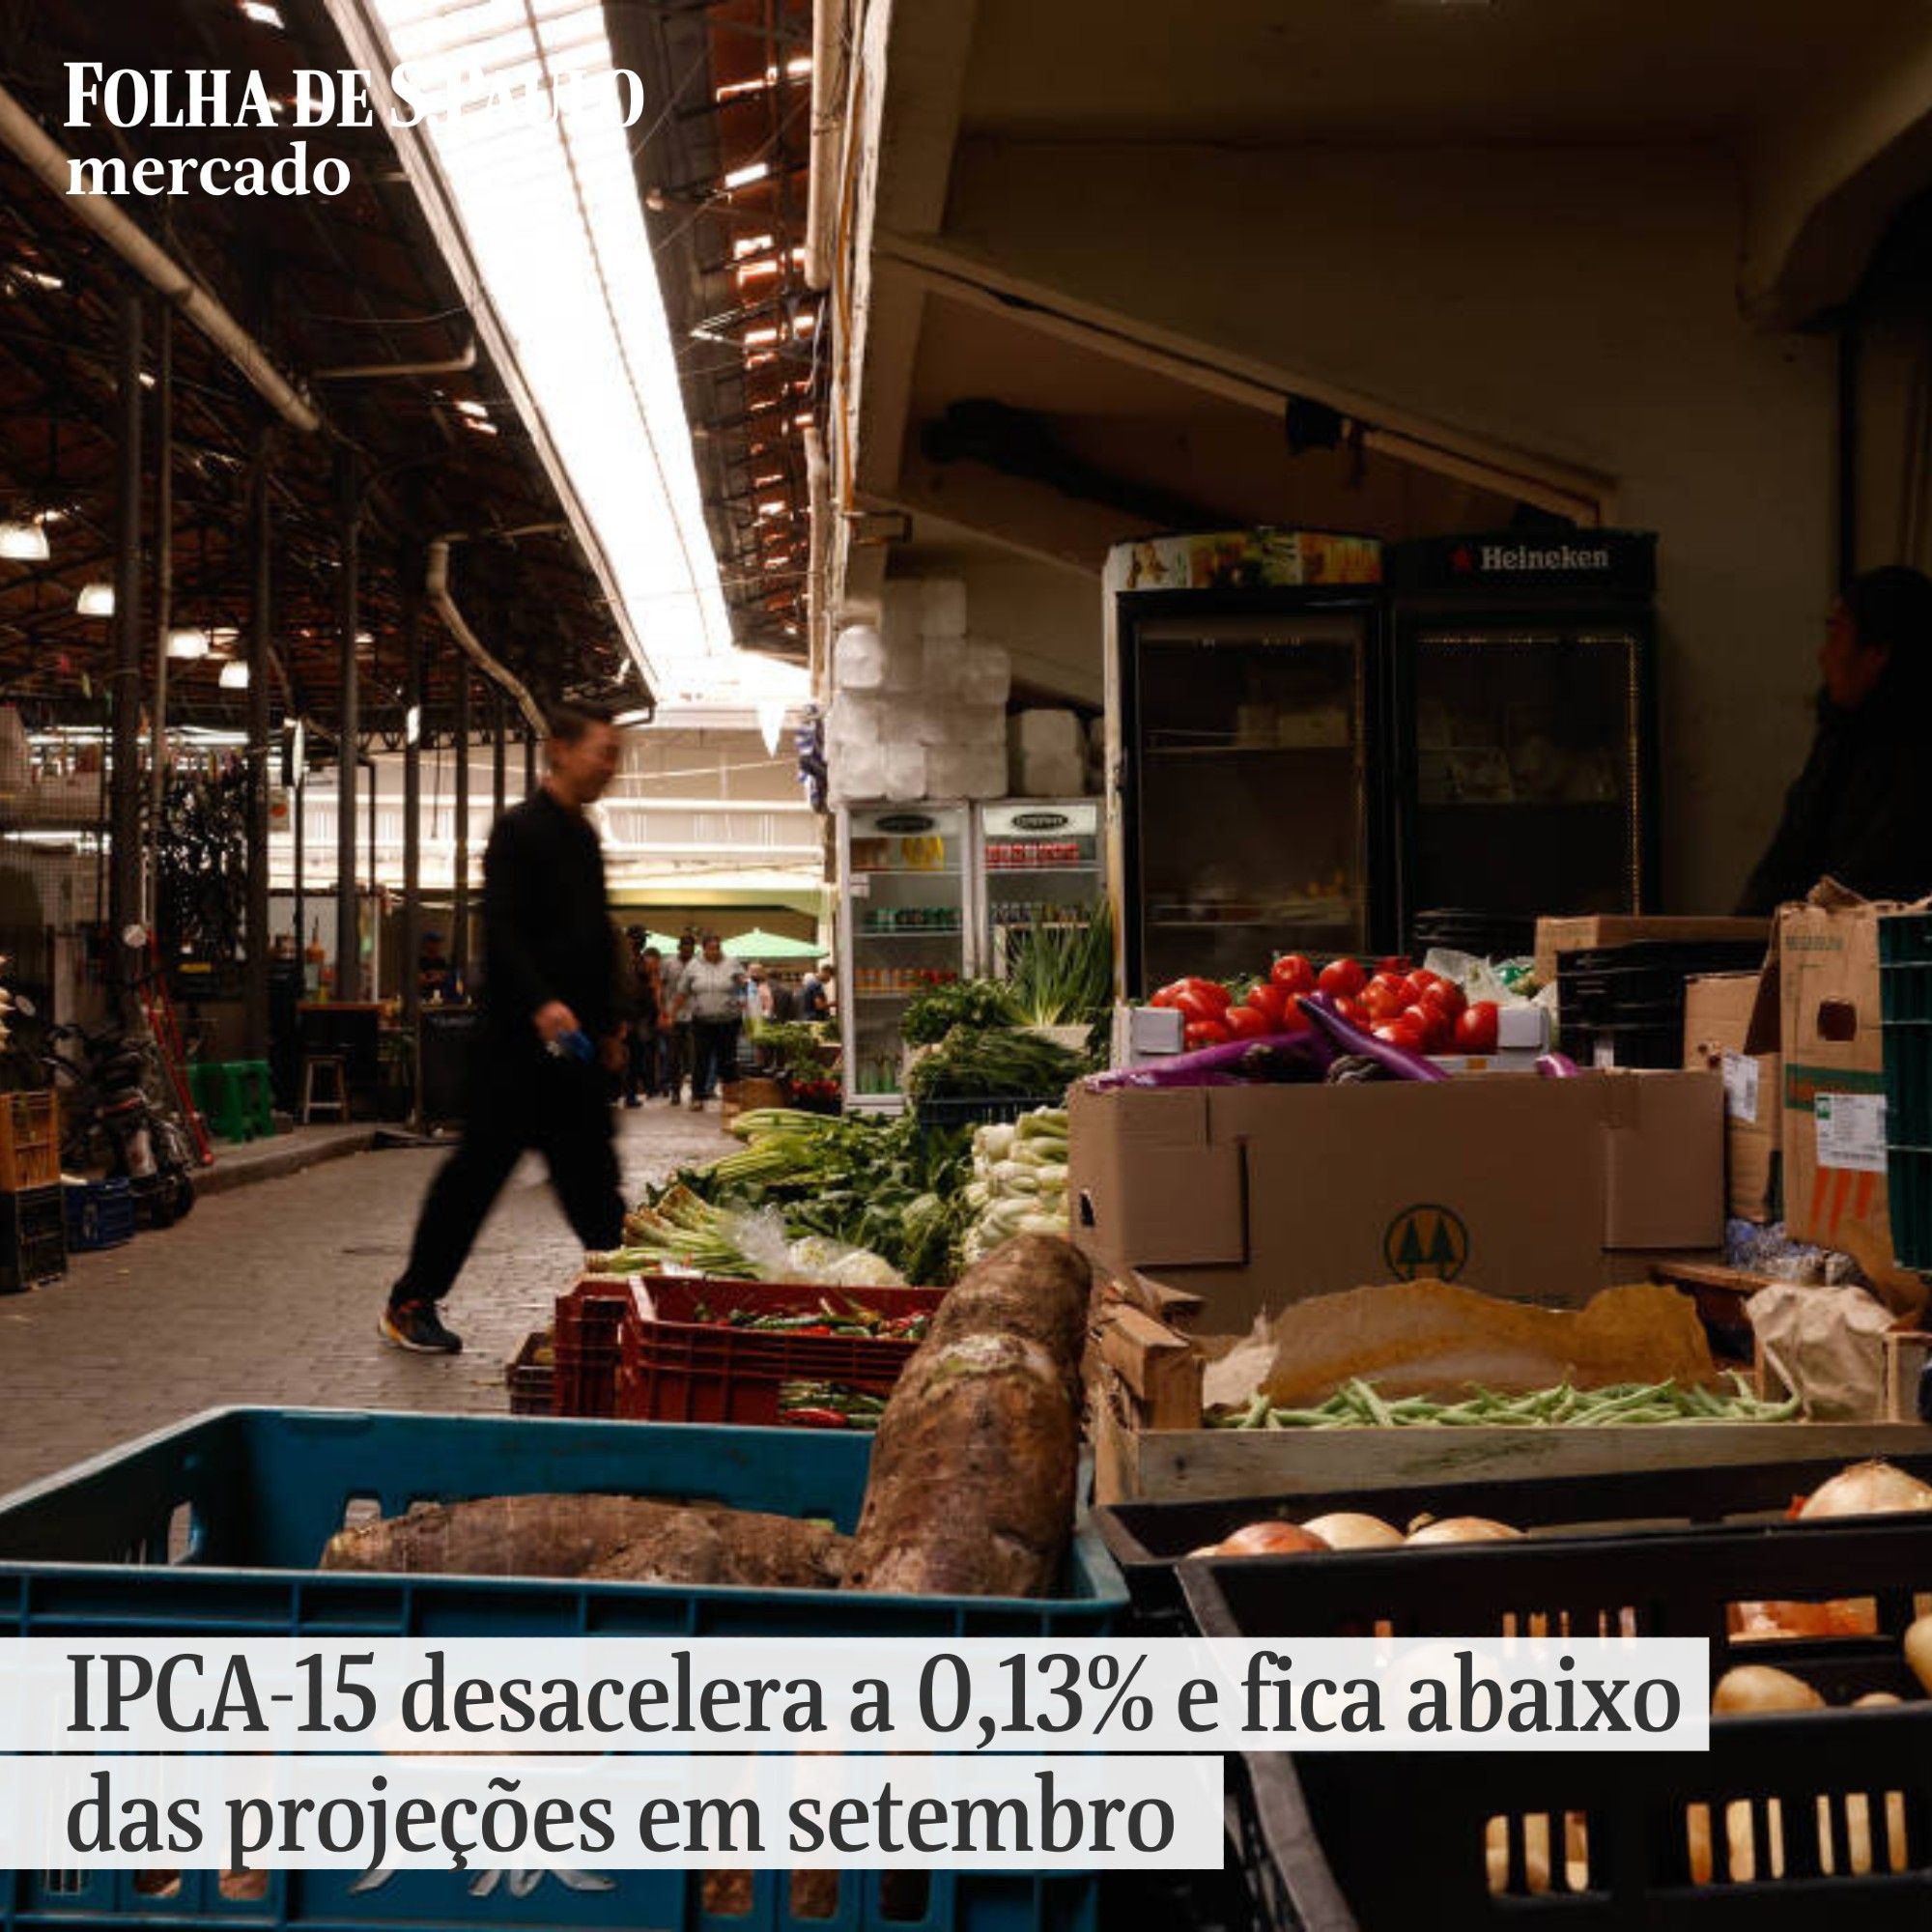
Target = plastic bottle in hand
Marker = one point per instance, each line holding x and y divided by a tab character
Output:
576	1045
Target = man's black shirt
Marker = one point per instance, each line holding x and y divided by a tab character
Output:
546	932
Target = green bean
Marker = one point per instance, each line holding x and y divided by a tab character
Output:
1256	1412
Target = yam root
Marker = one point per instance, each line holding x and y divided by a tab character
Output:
629	1539
972	1488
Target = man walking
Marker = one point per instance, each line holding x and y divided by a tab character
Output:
714	990
551	1030
679	1052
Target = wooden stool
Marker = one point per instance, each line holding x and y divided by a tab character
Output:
335	1100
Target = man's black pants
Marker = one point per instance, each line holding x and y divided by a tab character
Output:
520	1099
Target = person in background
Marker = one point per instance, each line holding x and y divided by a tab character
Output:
550	1036
640	1060
675	1004
783	999
715	993
813	1001
436	976
757	994
1860	811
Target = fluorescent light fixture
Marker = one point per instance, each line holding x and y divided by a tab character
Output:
188	643
24	542
261	12
147	380
223	635
413	725
95	600
365	637
234	675
752	171
470	406
640	715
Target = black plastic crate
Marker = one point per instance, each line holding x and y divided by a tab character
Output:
1150	1539
33	1238
1328	1822
1656	1042
1905	990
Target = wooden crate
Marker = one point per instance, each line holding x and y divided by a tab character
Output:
29	1142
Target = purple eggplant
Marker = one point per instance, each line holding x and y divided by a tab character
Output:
1279	1056
1345	1037
1558	1067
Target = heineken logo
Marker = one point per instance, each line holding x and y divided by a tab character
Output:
1504	558
1040	822
905	821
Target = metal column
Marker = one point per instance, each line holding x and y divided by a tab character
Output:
164	586
500	748
412	697
123	878
348	937
460	948
261	631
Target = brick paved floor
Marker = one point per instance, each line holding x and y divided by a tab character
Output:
269	1294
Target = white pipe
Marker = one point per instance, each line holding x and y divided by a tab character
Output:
436	587
450	365
30	141
818	619
828	120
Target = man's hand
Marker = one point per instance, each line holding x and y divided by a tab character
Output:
553	1021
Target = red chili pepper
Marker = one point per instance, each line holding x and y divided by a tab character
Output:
815	1418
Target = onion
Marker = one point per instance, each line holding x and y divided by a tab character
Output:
1867	1489
1461	1529
1754	1688
1205	1549
1872	1699
1918	1651
1271	1539
1347	1530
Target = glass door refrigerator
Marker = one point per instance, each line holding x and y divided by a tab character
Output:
1244	781
1522	703
1040	864
906	918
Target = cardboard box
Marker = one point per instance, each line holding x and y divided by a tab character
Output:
1583	931
1834	1182
1253	1197
1731	1028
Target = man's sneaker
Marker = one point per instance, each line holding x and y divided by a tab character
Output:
417	1325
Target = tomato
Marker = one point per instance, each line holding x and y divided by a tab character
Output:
1269	1000
1293	1019
1476	1028
1382	1000
1247	1023
1351	1011
1447	996
1402	1032
1194	1006
1204	1033
1437	1034
1425	978
1170	994
1216	995
1398	964
1293	973
1342	978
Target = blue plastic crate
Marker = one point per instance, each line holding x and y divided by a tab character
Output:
211	1528
100	1215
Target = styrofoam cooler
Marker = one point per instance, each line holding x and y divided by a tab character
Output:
986	771
942	668
855	719
985	673
856	772
942	606
905	771
859	660
1048	754
982	725
948	770
900	604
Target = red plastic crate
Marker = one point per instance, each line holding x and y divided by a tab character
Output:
677	1369
587	1346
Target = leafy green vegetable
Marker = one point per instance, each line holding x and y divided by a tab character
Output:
1064	975
975	1003
971	1064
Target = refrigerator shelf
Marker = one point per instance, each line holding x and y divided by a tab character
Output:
911	933
905	872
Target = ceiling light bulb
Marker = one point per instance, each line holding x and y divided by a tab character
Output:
235	675
187	643
263	13
24	542
95	600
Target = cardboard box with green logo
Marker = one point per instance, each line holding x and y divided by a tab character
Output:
1834	1182
1253	1197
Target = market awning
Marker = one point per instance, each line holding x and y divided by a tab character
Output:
761	945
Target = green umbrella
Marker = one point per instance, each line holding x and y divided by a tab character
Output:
760	944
